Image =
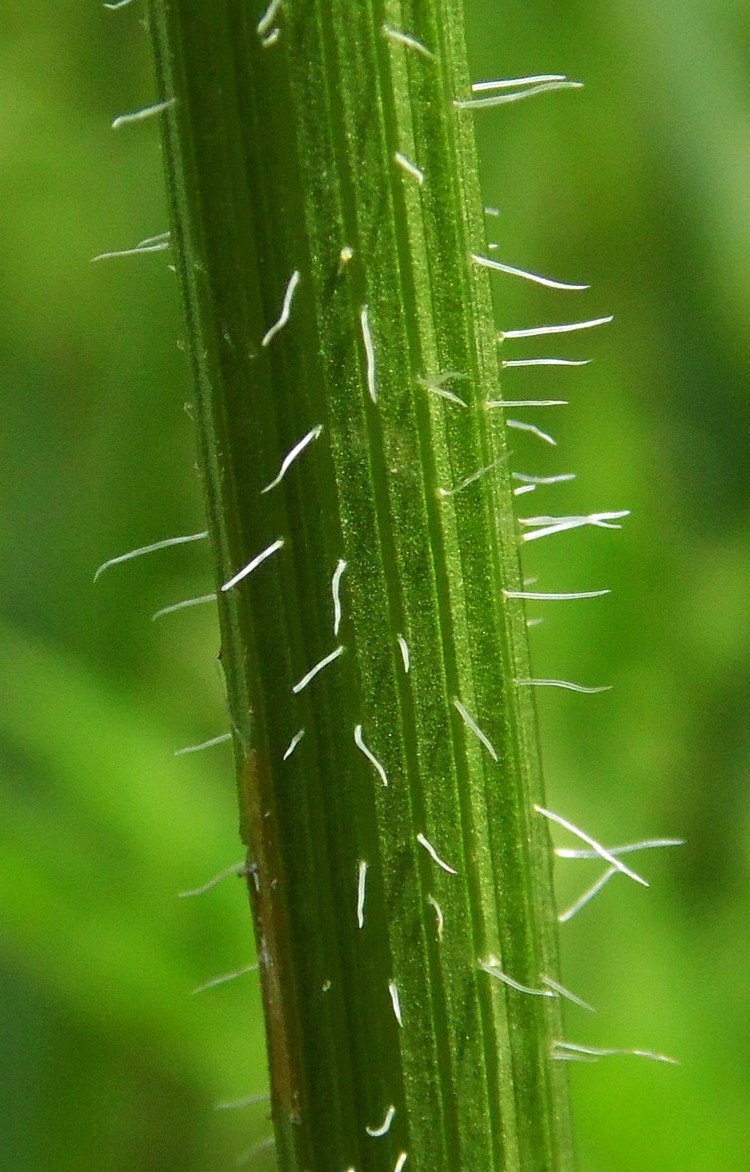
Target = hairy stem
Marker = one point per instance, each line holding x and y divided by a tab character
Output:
325	208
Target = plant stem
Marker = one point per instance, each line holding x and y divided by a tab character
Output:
325	206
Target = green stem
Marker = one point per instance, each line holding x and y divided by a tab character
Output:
329	168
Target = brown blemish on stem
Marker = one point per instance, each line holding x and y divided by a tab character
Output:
266	891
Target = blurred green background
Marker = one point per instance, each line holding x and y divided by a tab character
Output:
638	184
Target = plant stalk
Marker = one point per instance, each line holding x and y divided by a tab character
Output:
325	205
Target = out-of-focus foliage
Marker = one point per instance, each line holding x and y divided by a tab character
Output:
637	184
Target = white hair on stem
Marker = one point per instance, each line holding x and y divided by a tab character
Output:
364	322
225	978
152	548
439	918
602	520
565	1056
271	38
245	1101
184	605
566	685
488	263
627	849
361	889
532	429
471	724
491	403
263	27
221	739
503	99
492	966
403	647
561	991
336	593
311	674
448	395
286	309
253	564
434	855
552	988
411	168
436	386
509	83
292	455
596	887
142	115
400	1162
214	881
368	753
145	247
547	526
509	365
385	1126
543	331
566	1049
395	1002
537	480
407	41
544	596
158	237
588	895
596	846
293	744
472	479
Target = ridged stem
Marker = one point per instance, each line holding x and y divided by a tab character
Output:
325	168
